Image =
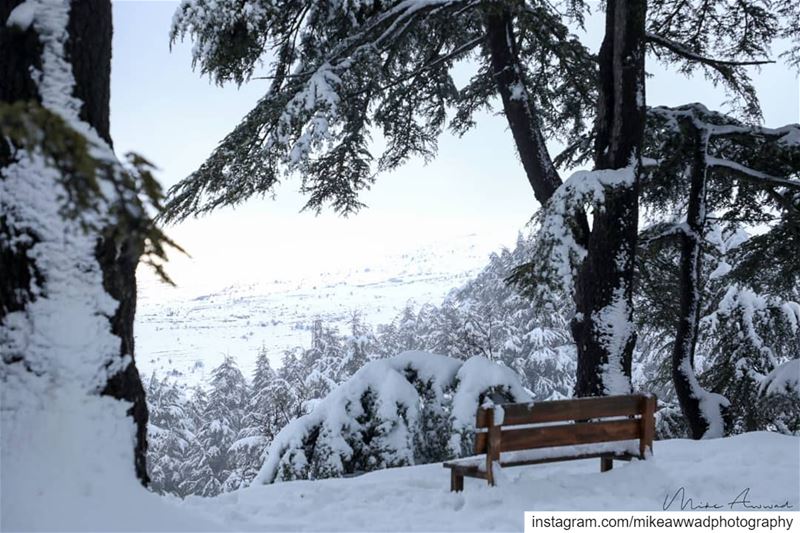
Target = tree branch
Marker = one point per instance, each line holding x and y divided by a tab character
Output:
667	230
466	47
751	175
683	51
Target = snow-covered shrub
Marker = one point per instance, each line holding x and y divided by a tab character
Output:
779	398
361	425
670	423
754	334
409	409
479	380
432	377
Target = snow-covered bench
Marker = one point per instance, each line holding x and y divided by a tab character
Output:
515	434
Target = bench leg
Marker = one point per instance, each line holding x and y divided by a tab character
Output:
606	464
456	481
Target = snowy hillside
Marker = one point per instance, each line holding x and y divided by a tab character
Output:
192	327
418	498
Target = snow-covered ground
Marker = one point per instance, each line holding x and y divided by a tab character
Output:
418	498
191	328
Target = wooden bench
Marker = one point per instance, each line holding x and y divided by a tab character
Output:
518	434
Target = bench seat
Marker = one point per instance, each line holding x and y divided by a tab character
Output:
610	428
619	450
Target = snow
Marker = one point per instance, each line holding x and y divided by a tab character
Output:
723	268
785	378
400	499
418	498
499	415
791	311
22	16
475	376
248	442
620	447
581	188
410	421
614	329
792	136
429	366
711	403
69	467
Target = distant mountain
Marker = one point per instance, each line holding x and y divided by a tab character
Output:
186	331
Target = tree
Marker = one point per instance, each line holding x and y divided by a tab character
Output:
339	72
602	326
170	433
413	408
677	33
261	422
74	221
222	423
713	166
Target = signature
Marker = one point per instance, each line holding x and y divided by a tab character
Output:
679	500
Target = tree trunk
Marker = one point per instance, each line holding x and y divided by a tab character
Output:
602	327
16	84
521	113
88	48
691	259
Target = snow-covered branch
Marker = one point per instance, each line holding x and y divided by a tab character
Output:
750	174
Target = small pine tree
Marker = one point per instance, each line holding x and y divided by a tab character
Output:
171	433
222	422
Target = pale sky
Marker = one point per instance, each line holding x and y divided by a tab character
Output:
168	113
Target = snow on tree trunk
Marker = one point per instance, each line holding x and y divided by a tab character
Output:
602	326
701	408
66	314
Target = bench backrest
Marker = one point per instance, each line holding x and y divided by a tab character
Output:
527	426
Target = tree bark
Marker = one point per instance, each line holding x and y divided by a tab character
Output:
522	117
521	113
690	266
602	326
16	84
88	48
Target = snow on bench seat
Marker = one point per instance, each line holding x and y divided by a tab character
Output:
610	427
621	449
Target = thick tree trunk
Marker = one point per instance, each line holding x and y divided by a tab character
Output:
602	326
89	51
691	263
521	113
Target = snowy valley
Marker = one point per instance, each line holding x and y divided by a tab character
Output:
186	331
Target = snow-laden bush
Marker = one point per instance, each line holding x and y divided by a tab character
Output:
670	422
779	398
413	408
753	335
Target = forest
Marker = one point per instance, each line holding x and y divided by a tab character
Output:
664	256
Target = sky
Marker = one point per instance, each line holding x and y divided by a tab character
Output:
168	113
